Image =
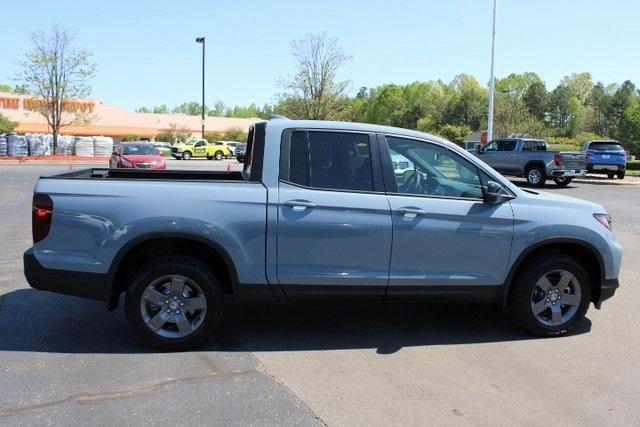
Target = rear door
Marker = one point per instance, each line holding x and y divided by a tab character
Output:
334	223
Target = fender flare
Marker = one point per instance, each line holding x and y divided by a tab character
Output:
126	248
504	289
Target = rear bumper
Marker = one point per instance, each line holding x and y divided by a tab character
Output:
599	167
80	284
568	173
607	290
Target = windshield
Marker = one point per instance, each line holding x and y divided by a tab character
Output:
138	149
605	146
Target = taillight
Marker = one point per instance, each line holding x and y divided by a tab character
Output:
41	212
587	157
557	159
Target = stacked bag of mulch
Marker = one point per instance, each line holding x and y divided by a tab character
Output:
65	145
84	146
3	144
17	145
36	144
102	146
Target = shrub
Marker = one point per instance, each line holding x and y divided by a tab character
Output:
165	137
235	134
6	125
212	137
130	137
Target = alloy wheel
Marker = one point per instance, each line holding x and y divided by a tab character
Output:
556	298
173	306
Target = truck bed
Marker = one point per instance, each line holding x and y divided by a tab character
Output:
140	174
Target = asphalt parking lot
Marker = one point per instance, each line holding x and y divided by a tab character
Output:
67	360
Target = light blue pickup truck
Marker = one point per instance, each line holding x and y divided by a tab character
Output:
319	214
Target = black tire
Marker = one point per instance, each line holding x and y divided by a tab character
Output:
562	182
620	175
218	155
536	171
524	284
186	155
209	157
192	269
611	175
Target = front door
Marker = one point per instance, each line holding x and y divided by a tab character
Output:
445	237
501	155
334	223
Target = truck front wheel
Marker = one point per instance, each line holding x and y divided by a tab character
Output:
536	176
550	294
186	155
174	303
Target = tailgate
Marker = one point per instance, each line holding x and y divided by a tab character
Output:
573	160
607	158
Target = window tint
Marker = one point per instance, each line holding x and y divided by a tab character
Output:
331	160
534	145
605	146
432	170
501	145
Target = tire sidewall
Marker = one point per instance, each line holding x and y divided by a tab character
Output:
218	155
186	155
166	266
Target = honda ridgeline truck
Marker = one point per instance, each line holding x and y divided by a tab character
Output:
529	158
319	215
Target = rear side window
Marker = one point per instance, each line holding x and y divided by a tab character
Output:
331	160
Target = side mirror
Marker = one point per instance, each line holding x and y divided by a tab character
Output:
115	153
494	193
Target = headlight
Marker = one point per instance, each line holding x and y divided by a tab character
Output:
604	219
126	163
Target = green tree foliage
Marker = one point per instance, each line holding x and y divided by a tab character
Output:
7	125
143	110
454	133
5	88
160	109
192	108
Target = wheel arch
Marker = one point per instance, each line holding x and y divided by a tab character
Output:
531	163
583	251
140	249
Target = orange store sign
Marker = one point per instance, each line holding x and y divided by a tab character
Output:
33	104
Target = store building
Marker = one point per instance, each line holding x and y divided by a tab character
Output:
111	120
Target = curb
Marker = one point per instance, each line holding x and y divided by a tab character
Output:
606	182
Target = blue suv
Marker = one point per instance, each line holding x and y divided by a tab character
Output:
605	156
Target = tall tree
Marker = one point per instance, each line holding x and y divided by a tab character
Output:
314	91
56	72
536	99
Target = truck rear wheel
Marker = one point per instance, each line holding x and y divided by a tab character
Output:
562	182
174	303
536	176
550	295
620	175
218	155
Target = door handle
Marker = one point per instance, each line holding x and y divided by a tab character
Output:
410	212
299	205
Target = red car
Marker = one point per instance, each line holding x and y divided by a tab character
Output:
136	155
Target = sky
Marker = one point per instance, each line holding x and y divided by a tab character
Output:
146	53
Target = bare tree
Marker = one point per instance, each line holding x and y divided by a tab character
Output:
55	73
314	92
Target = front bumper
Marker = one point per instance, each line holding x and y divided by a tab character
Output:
77	283
607	290
568	173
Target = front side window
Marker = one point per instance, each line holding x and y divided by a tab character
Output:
331	160
426	169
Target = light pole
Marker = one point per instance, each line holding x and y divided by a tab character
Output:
492	86
201	40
